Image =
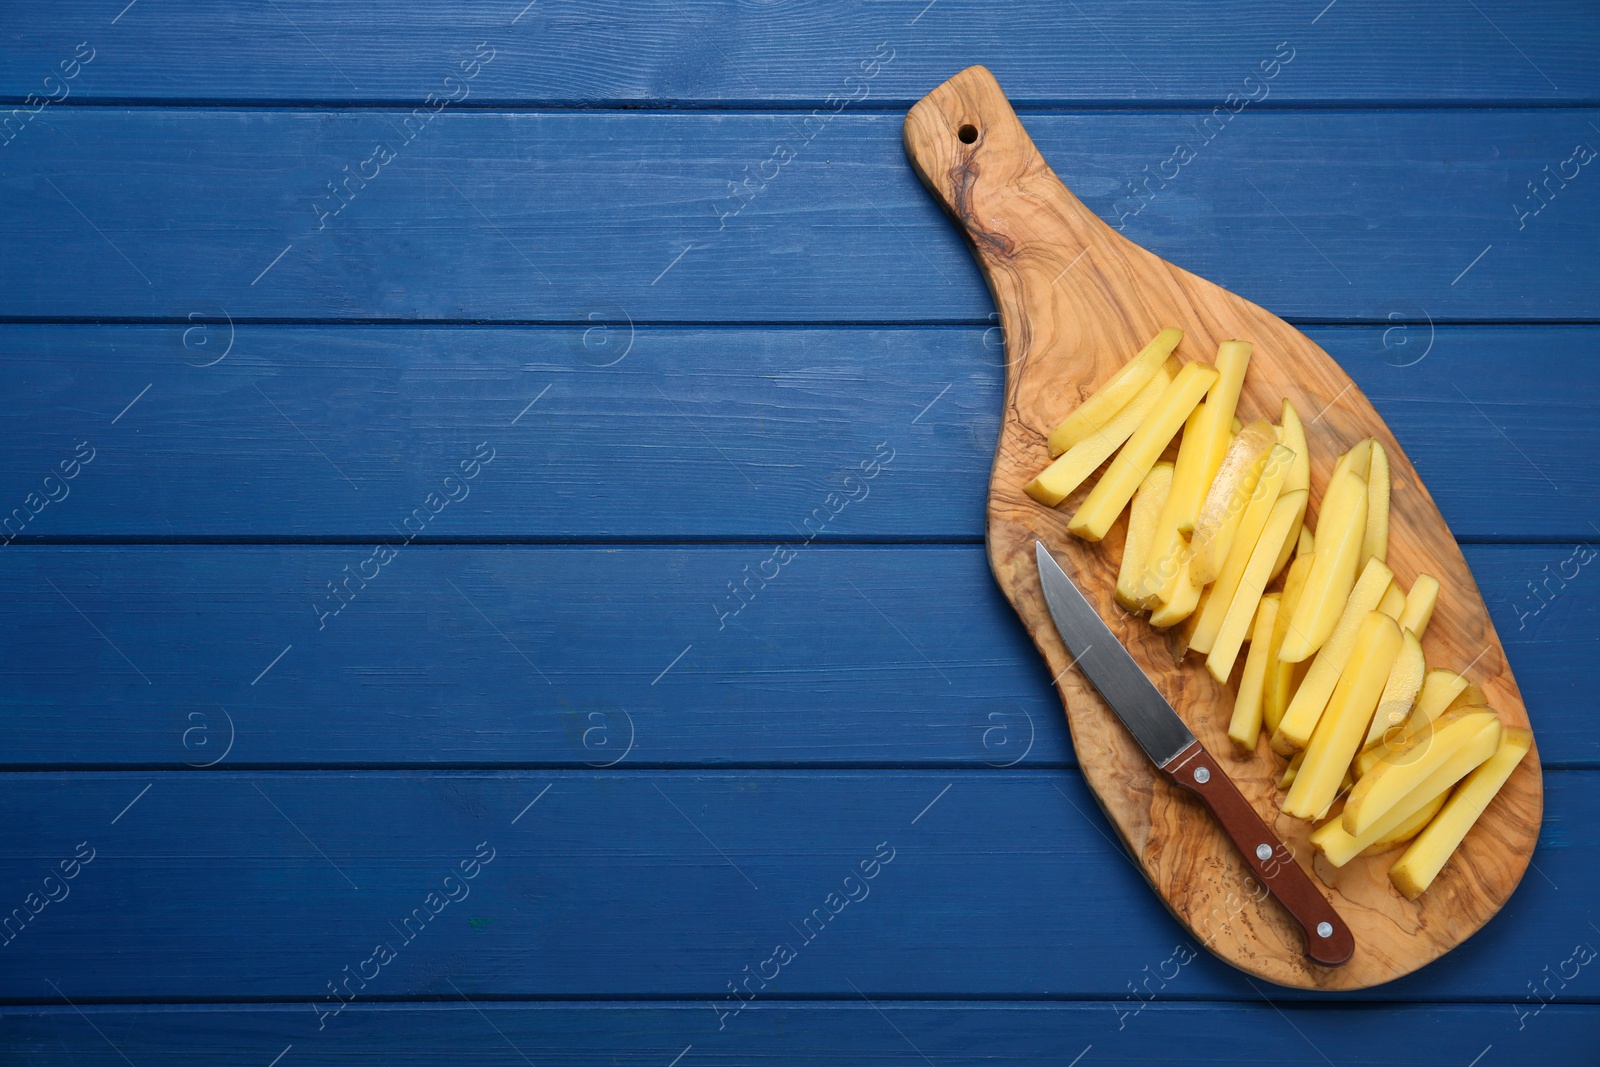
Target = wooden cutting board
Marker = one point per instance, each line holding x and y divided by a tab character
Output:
1076	300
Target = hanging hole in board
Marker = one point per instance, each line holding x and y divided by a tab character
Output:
967	133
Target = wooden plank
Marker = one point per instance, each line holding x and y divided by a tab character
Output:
778	1033
483	215
696	52
646	432
851	655
616	884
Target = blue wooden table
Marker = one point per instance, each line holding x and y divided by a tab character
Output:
492	512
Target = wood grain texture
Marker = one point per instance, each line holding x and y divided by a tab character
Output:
1076	298
632	883
487	216
717	53
676	431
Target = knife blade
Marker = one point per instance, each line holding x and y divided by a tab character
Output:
1183	760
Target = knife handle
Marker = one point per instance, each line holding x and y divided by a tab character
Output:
1328	940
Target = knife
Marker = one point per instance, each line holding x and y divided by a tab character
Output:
1184	761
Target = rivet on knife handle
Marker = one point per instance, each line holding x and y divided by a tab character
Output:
1328	940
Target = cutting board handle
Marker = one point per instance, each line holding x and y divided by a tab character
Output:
1026	230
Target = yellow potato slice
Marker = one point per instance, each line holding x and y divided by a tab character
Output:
1247	594
1305	546
1376	541
1408	828
1394	601
1341	526
1426	857
1292	435
1400	691
1290	772
1213	428
1420	600
1227	499
1439	695
1146	508
1359	459
1184	594
1312	697
1439	690
1472	696
1163	557
1112	493
1206	440
1117	392
1256	515
1343	726
1245	727
1278	687
1061	479
1398	773
1340	846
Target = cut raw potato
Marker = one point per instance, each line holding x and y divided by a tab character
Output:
1061	479
1279	684
1116	487
1180	644
1118	391
1245	726
1233	358
1309	700
1420	600
1394	601
1168	589
1407	829
1376	542
1339	846
1343	726
1442	691
1439	690
1292	435
1227	499
1305	545
1147	502
1294	439
1472	696
1256	515
1183	595
1392	777
1206	440
1400	691
1292	770
1165	556
1359	459
1251	584
1427	855
1340	527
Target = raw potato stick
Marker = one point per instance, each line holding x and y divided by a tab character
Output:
1115	394
1225	649
1146	508
1426	857
1061	479
1340	847
1312	696
1113	491
1245	728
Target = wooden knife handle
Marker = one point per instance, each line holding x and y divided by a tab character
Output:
1328	940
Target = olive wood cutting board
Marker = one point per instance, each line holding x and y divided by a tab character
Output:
1076	301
